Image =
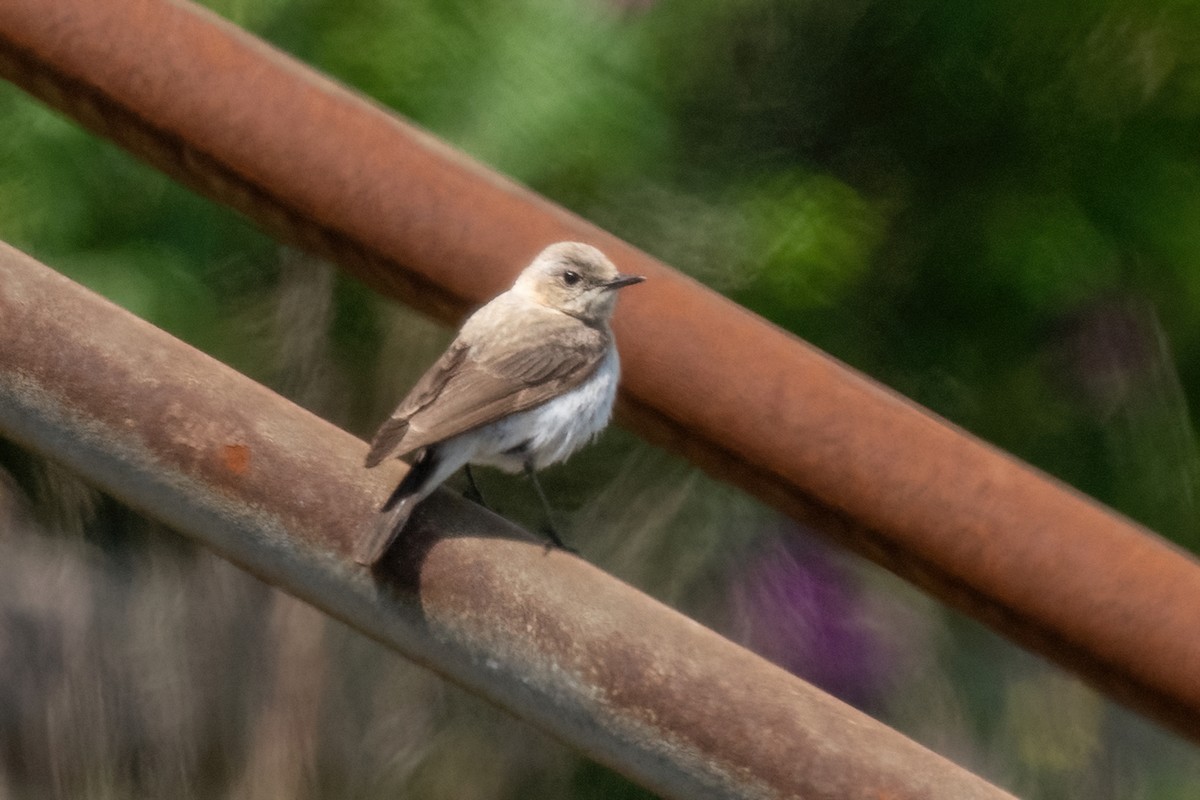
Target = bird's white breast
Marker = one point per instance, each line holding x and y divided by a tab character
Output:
555	429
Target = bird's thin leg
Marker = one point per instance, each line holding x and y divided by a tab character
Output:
472	493
549	530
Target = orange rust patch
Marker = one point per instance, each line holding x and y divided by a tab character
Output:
236	458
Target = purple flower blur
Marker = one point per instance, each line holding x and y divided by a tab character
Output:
798	607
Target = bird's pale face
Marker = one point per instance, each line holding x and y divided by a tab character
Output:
576	279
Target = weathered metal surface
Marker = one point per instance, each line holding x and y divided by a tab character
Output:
250	127
282	493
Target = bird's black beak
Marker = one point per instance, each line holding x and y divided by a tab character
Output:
624	280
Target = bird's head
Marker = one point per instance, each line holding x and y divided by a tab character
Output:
576	279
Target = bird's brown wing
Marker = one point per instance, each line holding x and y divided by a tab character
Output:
478	382
388	438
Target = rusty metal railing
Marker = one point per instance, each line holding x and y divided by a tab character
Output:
282	493
318	166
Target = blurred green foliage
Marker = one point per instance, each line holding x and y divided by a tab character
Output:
993	207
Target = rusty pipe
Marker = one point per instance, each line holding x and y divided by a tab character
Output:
540	632
319	166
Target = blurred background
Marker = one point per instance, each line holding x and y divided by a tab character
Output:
992	207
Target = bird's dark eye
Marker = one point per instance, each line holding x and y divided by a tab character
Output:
570	277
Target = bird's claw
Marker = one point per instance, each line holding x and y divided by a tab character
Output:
553	540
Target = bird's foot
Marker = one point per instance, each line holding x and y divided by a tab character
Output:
553	540
472	492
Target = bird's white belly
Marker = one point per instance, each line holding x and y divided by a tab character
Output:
554	430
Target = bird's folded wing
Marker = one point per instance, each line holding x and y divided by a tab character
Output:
389	436
475	383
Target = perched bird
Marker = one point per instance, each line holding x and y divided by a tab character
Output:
530	378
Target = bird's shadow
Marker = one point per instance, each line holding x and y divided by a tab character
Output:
442	516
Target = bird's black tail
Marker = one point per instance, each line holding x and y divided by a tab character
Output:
394	513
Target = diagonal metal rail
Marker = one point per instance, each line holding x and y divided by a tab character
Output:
316	165
280	492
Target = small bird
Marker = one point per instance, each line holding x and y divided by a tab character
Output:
530	378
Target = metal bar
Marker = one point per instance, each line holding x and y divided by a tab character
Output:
315	164
540	632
